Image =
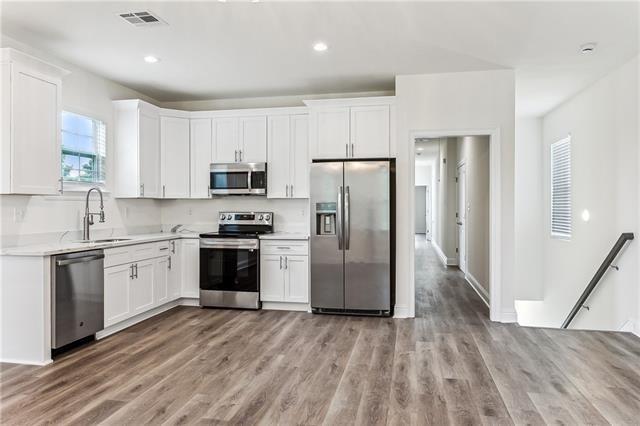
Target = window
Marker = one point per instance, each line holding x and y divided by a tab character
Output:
561	189
83	149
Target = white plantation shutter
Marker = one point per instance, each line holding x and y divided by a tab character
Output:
561	188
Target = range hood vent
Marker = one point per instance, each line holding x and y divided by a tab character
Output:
142	19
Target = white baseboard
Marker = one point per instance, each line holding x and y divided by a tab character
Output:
286	306
479	289
631	325
145	315
401	311
508	316
21	361
447	261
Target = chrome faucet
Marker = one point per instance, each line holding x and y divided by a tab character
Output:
88	216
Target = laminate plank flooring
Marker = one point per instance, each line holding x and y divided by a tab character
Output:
450	365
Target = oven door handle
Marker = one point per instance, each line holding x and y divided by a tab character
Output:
229	244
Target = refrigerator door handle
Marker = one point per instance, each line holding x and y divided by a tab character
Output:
339	219
347	218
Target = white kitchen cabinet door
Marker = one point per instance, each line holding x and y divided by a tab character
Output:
175	273
117	281
272	278
174	142
161	281
331	128
149	150
35	149
190	265
253	139
297	279
201	156
279	157
225	140
142	286
370	131
299	147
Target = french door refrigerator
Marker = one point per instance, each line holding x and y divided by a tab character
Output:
352	237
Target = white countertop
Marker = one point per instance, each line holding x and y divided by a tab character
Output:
284	236
71	246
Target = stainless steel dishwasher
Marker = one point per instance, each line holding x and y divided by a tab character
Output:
77	296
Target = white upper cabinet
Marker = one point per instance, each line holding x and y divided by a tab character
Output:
137	149
370	131
174	143
252	144
352	128
201	156
30	110
240	139
331	129
287	162
225	134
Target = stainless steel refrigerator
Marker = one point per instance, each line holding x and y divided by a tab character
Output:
352	237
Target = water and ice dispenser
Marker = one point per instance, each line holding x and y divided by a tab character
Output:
326	218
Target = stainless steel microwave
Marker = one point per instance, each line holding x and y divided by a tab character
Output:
238	179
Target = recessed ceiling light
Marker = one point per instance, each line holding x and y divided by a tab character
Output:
150	59
222	1
255	1
588	48
420	149
320	46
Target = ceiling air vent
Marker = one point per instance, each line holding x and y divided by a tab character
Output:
142	19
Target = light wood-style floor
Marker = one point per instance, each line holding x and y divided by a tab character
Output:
451	365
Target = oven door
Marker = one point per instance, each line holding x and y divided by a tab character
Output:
238	179
229	265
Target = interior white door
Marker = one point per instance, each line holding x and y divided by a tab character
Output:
117	280
161	281
278	156
331	127
225	140
253	139
36	146
297	279
174	142
300	156
421	209
370	131
201	156
149	155
142	286
461	219
428	211
272	280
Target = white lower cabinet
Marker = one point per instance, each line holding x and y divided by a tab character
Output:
117	280
142	284
190	268
284	272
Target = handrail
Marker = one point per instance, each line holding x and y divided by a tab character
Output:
624	237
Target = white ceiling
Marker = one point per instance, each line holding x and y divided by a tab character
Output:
427	151
243	49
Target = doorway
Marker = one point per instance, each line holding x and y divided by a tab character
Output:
461	216
421	209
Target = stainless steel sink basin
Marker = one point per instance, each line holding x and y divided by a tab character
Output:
105	240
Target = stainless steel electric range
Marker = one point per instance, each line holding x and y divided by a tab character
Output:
230	260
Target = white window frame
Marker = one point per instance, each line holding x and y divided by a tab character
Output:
73	187
566	235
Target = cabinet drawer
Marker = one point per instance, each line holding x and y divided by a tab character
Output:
135	253
284	247
163	247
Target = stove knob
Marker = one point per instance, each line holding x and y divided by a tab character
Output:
222	217
267	217
229	217
260	217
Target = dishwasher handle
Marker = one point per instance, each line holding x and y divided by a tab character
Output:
79	260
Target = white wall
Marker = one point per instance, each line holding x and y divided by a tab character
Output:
529	209
603	123
474	152
446	202
39	219
456	101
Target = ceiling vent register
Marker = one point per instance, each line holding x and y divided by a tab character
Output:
142	19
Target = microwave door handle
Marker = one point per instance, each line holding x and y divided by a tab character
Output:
249	181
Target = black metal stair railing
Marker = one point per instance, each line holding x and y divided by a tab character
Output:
608	263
